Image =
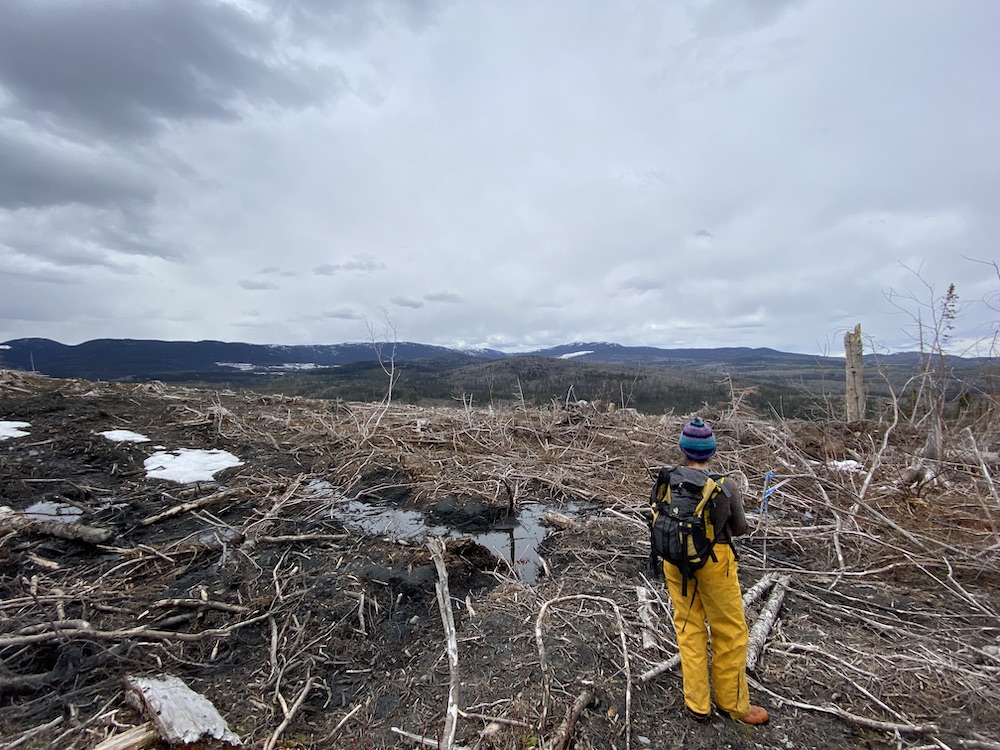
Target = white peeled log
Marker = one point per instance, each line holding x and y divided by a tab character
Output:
181	716
765	621
649	639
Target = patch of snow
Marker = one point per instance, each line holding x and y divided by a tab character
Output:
244	366
570	355
187	465
848	465
300	366
124	436
248	367
9	429
4	346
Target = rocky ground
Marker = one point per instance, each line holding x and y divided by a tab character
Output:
297	590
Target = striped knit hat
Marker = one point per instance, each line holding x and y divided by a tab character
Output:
697	440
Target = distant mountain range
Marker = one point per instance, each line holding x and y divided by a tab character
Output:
130	359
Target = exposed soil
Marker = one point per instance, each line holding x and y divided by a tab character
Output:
272	606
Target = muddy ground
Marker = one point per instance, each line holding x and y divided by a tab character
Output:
307	629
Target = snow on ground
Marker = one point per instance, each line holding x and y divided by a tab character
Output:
187	465
124	436
184	465
9	429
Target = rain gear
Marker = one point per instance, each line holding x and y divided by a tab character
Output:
712	612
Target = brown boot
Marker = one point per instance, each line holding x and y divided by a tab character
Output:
756	715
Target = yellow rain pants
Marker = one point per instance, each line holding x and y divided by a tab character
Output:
712	609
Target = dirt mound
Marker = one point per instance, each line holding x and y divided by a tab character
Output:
297	590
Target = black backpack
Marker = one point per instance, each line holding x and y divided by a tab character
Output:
681	505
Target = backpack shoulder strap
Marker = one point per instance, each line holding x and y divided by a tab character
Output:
662	482
720	482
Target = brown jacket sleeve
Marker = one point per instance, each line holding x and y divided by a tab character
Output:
729	515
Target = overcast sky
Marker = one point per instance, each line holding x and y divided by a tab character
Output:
511	173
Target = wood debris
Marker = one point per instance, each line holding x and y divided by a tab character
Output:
312	630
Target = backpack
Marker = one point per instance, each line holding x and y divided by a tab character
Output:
680	526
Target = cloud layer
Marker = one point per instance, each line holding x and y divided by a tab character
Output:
517	174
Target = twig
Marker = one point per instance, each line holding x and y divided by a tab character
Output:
986	475
347	718
663	666
120	635
426	741
193	505
25	736
546	678
564	733
289	714
884	726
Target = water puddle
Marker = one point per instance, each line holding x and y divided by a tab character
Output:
47	510
514	541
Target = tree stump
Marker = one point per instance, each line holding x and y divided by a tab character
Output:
855	375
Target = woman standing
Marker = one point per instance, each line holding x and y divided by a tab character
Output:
712	609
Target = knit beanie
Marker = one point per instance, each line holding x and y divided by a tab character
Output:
697	440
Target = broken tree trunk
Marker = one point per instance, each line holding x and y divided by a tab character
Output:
855	375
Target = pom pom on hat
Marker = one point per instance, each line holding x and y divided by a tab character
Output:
697	440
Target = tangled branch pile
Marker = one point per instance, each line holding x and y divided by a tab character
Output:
304	632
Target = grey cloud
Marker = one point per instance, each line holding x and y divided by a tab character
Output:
123	68
348	20
257	286
641	286
37	176
58	232
703	234
275	271
343	313
359	264
404	302
35	276
725	17
447	297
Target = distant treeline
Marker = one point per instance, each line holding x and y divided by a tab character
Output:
814	393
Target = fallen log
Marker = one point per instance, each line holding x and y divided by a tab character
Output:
12	521
181	716
762	626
